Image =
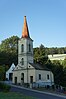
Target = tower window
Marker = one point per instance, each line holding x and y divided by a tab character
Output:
22	48
29	48
22	62
48	77
39	76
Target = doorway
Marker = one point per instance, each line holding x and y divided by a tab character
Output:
31	79
15	80
22	78
10	76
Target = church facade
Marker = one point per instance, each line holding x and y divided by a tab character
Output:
27	72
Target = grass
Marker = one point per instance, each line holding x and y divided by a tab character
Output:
14	95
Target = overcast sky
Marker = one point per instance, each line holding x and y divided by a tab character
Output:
46	20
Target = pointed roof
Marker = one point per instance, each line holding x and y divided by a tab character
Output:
25	31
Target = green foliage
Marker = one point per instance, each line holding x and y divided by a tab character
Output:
40	55
8	54
2	73
14	95
59	72
64	63
64	78
53	50
9	44
8	51
58	69
4	87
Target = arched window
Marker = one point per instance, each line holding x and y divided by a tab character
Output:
22	47
47	76
29	48
39	76
22	61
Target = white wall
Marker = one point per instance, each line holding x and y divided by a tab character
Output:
44	79
57	56
28	56
35	74
10	70
19	72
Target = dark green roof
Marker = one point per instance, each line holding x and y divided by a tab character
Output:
39	67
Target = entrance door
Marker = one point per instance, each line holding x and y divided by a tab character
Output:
15	80
31	79
22	78
10	76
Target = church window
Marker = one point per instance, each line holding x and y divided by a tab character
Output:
22	61
29	48
39	76
22	47
48	77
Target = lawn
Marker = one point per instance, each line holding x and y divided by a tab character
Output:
14	95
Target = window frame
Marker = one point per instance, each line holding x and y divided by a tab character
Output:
22	48
39	76
48	77
22	61
29	48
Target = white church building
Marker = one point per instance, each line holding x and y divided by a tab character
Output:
26	72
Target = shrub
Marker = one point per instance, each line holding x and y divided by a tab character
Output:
53	87
4	87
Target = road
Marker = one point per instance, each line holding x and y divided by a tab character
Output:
36	94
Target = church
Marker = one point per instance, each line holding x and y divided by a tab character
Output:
27	72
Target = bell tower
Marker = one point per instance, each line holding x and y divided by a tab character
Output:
25	47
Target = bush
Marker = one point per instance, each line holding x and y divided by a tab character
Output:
53	87
26	84
4	87
48	86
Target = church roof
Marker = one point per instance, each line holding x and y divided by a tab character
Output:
39	67
25	31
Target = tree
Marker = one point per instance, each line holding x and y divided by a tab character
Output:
2	73
58	72
63	82
40	55
9	44
64	63
8	51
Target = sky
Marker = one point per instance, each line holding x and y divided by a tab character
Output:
46	20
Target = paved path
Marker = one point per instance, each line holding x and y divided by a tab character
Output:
35	93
